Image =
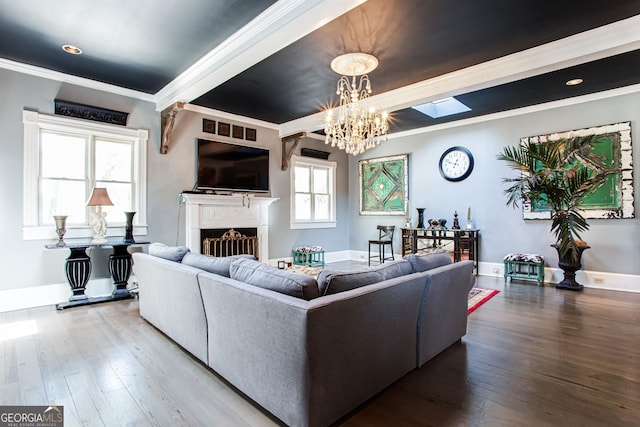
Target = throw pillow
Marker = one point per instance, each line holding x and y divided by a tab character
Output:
172	253
333	281
265	276
426	262
216	265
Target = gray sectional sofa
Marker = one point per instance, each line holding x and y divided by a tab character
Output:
308	351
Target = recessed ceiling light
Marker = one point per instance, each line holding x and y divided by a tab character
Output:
573	82
69	48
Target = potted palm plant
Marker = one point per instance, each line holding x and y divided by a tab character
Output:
559	174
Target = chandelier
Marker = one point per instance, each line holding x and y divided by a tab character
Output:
357	127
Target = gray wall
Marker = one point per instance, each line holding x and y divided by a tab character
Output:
182	157
615	243
26	263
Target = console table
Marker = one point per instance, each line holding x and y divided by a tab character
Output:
415	240
78	270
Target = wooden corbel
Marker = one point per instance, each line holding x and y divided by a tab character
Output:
167	119
286	154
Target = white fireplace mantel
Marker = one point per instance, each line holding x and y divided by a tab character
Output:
209	211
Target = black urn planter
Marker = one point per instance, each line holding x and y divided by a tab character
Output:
128	227
569	266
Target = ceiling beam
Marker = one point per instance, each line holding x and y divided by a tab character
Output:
280	25
619	37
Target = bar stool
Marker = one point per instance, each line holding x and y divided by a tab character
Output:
385	237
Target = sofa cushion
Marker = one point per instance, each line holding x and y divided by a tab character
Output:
334	281
424	262
217	265
265	276
172	253
390	270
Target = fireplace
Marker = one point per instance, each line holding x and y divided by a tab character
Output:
217	212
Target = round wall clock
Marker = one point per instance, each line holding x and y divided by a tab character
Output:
456	164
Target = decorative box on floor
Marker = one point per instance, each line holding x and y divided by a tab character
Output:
313	256
524	266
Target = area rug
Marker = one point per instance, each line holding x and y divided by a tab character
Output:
479	296
303	269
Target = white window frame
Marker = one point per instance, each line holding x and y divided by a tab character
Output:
33	123
312	162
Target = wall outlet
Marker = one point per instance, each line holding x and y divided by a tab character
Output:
598	280
496	270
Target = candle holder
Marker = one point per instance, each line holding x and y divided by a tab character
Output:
61	228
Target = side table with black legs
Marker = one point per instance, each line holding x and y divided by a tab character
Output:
78	270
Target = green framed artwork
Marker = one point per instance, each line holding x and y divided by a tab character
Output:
384	185
615	198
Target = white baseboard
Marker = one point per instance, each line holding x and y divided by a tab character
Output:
38	296
362	256
589	279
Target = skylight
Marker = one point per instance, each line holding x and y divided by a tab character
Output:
442	107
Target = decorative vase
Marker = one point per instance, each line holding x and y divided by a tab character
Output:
420	217
61	228
128	227
569	266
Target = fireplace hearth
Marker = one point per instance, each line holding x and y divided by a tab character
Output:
217	212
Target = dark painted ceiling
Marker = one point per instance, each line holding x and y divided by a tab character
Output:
136	44
145	44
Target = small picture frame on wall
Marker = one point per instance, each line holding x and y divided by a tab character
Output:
208	126
238	132
250	134
224	129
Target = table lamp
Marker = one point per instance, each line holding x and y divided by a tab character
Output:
99	197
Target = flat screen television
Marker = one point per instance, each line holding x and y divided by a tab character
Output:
230	167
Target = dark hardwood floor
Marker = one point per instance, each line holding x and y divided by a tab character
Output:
533	356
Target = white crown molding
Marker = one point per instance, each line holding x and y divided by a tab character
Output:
288	20
74	80
280	25
619	37
520	111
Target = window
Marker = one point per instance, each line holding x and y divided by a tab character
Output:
65	158
313	200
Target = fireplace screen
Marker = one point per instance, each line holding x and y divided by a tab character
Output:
230	243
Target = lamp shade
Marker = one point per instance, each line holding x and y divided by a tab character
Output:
99	197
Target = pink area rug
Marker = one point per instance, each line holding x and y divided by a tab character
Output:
479	296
